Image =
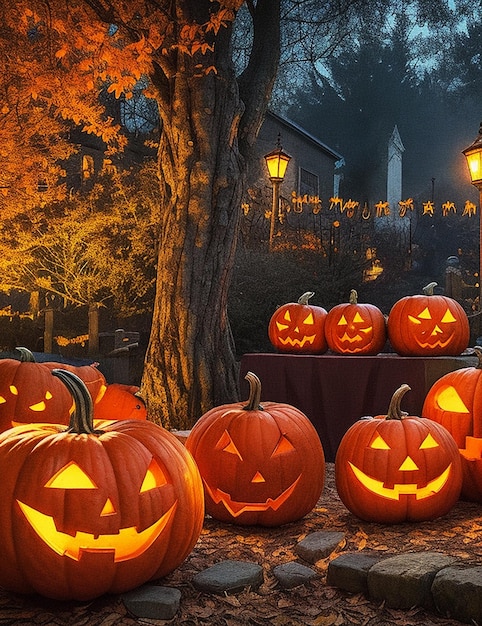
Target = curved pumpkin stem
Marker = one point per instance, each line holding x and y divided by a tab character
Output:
305	297
428	289
254	393
81	420
26	356
394	410
353	297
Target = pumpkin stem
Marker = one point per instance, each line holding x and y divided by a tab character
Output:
353	297
428	289
26	356
305	297
254	393
394	410
81	420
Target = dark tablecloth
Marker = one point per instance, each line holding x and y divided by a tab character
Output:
334	391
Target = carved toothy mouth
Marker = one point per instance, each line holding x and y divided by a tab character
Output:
297	342
125	545
393	493
236	508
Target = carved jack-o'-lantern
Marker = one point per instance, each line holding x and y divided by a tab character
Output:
299	327
428	325
29	394
259	464
94	511
354	328
397	468
455	401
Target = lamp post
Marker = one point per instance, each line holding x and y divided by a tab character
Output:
276	162
473	154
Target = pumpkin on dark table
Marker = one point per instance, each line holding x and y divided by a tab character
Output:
299	327
428	325
355	328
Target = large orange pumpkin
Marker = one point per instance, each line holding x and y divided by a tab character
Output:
299	327
86	512
355	328
428	325
259	464
397	468
455	401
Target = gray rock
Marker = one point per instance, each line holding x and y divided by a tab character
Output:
405	580
350	571
293	574
153	602
318	545
457	593
229	577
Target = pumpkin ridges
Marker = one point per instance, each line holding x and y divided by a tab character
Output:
232	446
48	449
373	318
378	454
404	339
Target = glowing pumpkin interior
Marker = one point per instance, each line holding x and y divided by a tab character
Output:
124	544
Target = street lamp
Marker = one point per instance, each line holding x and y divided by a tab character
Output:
473	154
276	162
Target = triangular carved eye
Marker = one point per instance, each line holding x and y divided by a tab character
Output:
428	442
342	321
379	443
448	399
287	316
154	477
358	318
71	476
309	321
226	444
448	318
282	447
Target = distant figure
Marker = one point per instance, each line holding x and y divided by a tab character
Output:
454	283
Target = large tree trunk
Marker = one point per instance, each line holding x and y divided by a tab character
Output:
190	364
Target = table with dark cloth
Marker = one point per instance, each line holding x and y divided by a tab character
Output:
334	391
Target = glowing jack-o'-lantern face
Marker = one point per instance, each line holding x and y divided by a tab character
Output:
354	328
399	469
455	401
428	325
95	511
29	393
298	327
121	543
259	466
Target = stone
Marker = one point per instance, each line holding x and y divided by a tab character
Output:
457	593
153	602
293	574
229	577
318	545
405	580
350	571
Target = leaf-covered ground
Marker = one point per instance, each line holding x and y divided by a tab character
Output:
458	533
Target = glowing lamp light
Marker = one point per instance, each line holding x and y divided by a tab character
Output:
277	162
473	154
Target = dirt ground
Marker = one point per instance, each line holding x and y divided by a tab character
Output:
458	533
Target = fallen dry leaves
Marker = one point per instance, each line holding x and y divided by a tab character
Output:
458	534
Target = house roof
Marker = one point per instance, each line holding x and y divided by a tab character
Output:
293	126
